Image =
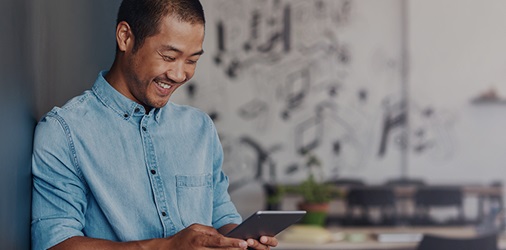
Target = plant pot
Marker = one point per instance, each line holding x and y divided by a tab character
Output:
316	213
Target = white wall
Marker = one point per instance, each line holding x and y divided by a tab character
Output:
457	51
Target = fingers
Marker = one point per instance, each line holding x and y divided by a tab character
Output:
264	243
269	241
220	241
199	236
253	244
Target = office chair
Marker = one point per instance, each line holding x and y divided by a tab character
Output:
365	199
432	242
429	197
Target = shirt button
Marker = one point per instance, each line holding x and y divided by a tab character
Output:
153	171
125	115
144	128
137	110
164	214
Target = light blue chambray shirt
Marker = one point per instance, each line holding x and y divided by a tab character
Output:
103	168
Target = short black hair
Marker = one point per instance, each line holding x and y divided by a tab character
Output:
144	16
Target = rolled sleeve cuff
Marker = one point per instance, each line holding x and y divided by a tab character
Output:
47	233
229	217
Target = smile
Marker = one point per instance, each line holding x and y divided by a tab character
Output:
163	85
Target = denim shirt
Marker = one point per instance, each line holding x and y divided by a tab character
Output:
102	168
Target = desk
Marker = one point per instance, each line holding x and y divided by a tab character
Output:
370	243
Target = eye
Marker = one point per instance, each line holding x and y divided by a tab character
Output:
165	57
168	58
192	60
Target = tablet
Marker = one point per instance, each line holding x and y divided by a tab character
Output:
265	223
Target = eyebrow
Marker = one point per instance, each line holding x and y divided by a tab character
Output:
172	48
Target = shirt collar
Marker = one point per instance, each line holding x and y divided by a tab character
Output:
123	106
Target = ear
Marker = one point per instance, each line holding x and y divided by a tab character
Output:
124	36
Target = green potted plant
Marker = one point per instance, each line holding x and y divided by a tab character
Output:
315	193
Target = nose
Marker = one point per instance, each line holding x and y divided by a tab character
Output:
177	73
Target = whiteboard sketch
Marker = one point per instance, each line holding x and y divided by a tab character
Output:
286	76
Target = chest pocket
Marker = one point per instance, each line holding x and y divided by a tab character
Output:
195	198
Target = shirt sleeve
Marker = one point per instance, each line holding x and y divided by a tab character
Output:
224	211
59	194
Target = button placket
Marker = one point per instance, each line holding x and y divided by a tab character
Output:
155	178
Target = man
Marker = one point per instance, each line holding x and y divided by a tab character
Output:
121	167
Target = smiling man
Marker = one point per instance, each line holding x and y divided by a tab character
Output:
122	167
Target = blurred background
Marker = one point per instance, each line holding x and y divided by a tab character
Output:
376	90
16	129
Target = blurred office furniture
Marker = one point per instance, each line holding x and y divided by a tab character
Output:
491	206
339	208
371	205
433	242
436	197
406	204
492	222
421	200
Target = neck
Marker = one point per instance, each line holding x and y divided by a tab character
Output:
117	78
114	77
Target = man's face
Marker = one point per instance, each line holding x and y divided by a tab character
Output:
163	63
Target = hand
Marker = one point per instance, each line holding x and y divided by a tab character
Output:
265	243
203	237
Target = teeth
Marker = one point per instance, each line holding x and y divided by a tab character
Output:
163	85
